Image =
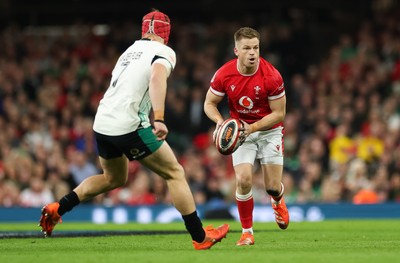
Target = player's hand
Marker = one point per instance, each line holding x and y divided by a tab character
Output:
245	131
217	126
160	130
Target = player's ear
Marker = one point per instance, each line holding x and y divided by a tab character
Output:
235	50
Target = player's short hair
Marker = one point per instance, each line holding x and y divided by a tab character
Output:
246	32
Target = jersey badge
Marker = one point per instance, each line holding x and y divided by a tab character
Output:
278	147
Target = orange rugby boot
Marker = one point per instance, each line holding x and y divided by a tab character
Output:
247	239
50	218
281	213
213	236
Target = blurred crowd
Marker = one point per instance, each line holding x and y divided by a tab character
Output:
342	129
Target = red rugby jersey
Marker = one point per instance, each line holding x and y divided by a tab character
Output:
248	95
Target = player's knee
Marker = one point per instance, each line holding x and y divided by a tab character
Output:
176	171
244	183
115	182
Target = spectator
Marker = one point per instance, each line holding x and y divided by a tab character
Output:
365	196
394	188
138	191
37	194
342	146
10	194
80	168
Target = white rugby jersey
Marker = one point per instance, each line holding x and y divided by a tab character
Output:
126	103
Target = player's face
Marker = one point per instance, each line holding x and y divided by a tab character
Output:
248	52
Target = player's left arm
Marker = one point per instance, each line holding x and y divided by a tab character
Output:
278	108
162	66
158	90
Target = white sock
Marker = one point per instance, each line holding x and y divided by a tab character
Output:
248	230
244	197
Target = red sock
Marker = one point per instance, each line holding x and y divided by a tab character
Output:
245	204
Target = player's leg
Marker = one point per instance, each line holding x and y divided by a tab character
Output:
115	174
157	155
271	159
164	163
245	202
243	160
272	180
274	187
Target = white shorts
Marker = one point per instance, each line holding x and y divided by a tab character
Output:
266	146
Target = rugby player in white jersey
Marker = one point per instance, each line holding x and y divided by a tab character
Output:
125	133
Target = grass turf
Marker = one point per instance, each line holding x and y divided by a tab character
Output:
353	241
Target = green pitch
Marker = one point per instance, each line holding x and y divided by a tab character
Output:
329	241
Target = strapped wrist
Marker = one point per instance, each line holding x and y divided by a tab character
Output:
159	115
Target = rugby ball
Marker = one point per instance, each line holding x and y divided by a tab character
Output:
227	138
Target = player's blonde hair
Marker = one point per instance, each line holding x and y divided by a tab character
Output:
246	32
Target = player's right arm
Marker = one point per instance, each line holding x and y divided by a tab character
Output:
211	110
211	107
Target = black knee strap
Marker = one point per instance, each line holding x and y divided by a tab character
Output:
273	192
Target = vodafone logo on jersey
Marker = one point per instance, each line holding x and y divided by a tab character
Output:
246	102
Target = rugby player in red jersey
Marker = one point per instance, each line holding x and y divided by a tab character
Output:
256	95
